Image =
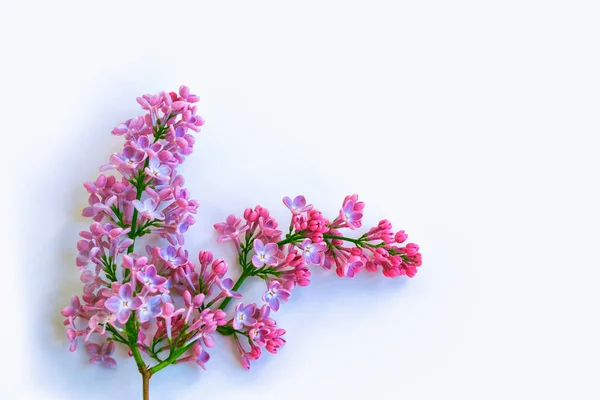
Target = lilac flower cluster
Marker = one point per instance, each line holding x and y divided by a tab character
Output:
282	261
164	307
153	303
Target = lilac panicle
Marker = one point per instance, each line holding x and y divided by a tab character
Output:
129	298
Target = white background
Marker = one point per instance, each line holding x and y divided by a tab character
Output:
470	124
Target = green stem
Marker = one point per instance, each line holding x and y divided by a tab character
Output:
138	196
132	335
172	358
347	239
139	187
290	239
116	333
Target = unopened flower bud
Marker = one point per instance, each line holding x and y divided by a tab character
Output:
219	266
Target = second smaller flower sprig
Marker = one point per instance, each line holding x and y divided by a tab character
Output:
282	261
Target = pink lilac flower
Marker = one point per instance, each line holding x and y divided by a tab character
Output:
72	338
313	252
101	354
200	355
72	333
230	229
226	286
144	144
73	308
157	170
268	226
151	280
150	308
88	250
148	209
349	214
259	333
244	316
351	267
265	333
134	264
130	127
99	322
128	159
173	257
123	303
274	294
265	254
247	356
298	205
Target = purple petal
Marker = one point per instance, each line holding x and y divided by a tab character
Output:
95	360
231	220
158	215
154	301
283	294
237	324
274	285
257	262
125	292
209	341
150	204
109	348
315	258
136	303
348	207
151	271
154	163
113	304
227	283
123	315
92	349
204	357
258	246
271	260
299	201
142	102
160	280
321	246
271	249
249	309
220	226
355	216
109	362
